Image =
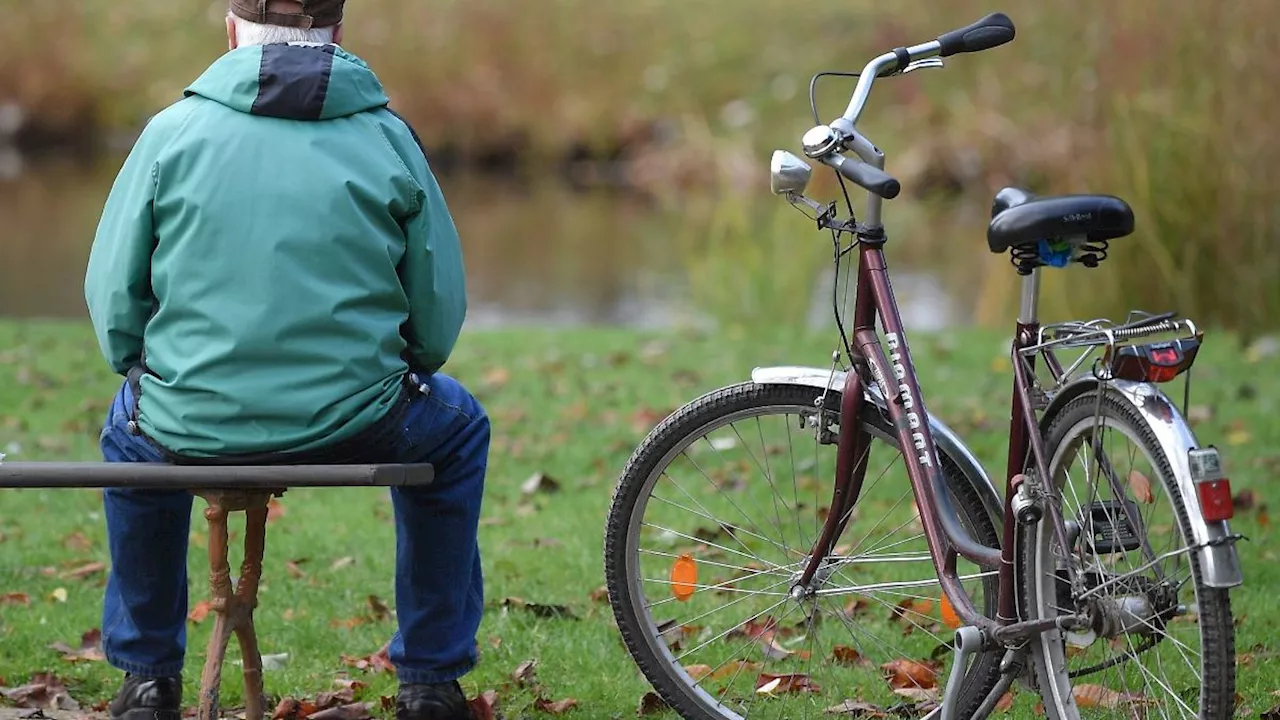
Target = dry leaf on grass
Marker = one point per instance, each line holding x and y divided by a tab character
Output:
1088	696
199	612
555	707
89	650
482	706
46	691
539	482
650	704
538	609
1141	487
903	673
770	684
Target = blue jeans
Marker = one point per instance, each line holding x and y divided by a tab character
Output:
439	587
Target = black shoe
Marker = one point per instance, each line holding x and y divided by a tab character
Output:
144	698
443	701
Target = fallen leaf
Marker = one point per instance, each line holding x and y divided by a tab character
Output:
1238	433
1088	696
1141	488
199	612
539	482
1244	500
539	609
1005	702
378	608
354	685
46	691
758	629
377	662
342	562
496	377
525	673
555	707
77	542
293	567
650	704
1199	413
351	711
856	709
15	598
83	571
482	705
769	684
734	668
89	650
847	656
697	672
918	694
275	509
59	594
903	673
600	594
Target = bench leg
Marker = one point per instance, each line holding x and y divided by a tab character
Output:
233	606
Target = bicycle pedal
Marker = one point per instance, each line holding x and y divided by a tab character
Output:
1108	529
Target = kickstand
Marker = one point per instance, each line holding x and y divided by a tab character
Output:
233	606
968	642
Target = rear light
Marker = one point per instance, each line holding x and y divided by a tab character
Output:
1213	489
1155	362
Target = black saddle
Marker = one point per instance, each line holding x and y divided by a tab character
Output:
1019	218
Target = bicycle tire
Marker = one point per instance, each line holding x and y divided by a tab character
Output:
690	421
1217	691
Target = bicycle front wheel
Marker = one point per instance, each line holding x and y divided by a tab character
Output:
711	525
1162	644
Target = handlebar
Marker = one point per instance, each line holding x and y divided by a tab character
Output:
869	177
991	31
829	141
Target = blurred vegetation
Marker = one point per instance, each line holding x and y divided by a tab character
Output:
1162	102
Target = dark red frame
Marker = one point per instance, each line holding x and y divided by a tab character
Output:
947	540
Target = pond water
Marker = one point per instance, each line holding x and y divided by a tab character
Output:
537	253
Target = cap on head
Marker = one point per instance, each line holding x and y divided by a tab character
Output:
305	14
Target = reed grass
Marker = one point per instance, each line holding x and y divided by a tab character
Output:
1166	103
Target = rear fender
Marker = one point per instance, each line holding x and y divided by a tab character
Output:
1219	561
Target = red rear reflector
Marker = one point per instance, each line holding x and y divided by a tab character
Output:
1215	499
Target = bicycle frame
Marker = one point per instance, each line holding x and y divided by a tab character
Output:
896	377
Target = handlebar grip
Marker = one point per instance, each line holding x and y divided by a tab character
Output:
991	31
869	178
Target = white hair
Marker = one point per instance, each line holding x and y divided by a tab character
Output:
252	33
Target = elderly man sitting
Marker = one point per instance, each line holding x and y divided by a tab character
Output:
277	276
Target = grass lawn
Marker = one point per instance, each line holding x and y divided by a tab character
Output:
570	404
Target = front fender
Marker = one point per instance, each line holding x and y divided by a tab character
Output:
943	436
1219	561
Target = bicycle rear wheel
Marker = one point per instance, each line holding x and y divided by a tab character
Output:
1162	649
711	523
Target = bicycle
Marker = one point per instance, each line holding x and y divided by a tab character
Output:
1066	584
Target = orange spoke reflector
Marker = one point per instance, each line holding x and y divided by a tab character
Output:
949	615
684	577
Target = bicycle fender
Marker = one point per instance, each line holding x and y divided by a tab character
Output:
944	437
1219	561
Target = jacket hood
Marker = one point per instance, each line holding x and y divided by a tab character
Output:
296	82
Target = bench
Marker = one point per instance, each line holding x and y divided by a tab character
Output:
225	490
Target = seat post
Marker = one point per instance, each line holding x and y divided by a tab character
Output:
1029	312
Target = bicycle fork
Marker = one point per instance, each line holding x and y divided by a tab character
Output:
852	450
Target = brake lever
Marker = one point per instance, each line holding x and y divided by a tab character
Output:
933	62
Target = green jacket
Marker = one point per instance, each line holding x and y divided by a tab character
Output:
278	245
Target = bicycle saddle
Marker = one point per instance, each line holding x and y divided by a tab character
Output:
1019	217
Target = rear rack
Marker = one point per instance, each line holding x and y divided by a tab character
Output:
1105	333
